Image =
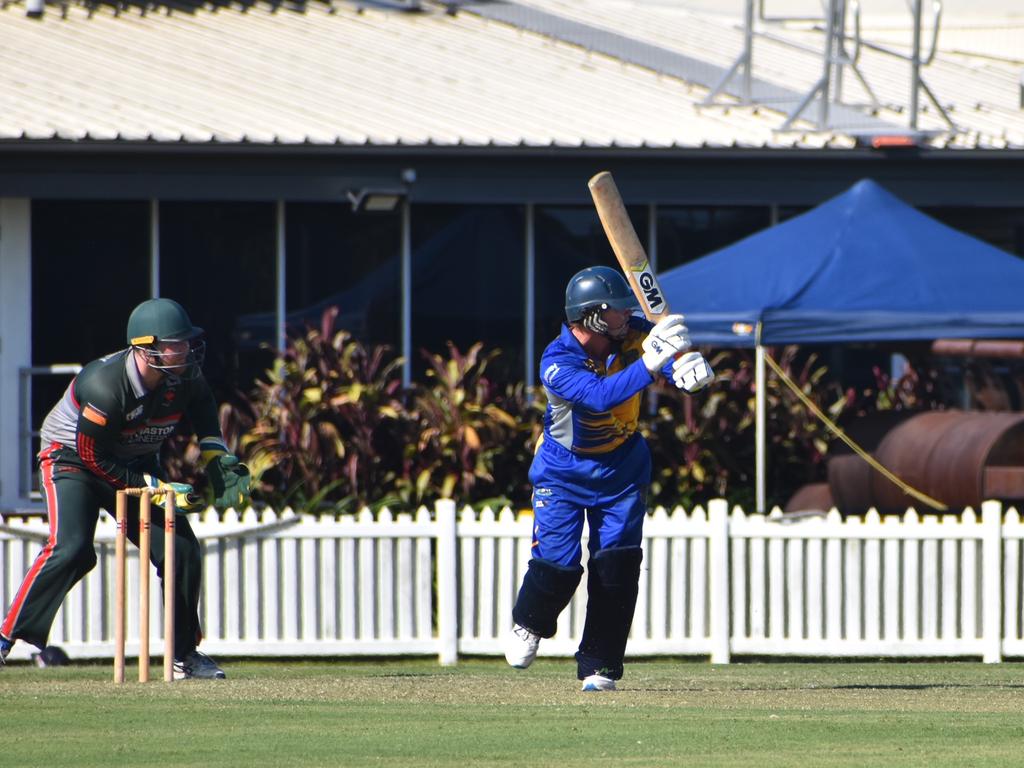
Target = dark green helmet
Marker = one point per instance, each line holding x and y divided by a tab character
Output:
597	288
160	320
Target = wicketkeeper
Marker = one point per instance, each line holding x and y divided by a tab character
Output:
104	434
592	461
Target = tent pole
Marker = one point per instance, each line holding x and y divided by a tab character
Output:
759	428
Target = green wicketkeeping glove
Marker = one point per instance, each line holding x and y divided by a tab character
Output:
184	498
230	480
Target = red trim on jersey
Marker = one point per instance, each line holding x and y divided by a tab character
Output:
53	513
174	418
87	451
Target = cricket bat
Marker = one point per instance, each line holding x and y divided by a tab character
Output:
631	255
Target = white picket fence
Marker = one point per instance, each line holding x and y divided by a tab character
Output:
713	583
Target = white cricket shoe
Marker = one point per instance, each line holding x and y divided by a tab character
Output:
521	647
598	683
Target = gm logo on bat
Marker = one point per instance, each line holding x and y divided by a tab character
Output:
651	291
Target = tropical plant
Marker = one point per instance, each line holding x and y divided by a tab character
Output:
329	421
469	427
330	425
703	445
920	387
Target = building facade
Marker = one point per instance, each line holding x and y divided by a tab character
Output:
424	170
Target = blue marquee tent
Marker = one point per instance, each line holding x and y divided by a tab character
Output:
863	266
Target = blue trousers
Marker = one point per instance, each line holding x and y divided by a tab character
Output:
609	490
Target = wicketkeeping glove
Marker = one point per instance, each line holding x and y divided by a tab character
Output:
666	339
184	498
230	480
692	372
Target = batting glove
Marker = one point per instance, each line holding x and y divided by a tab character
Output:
184	498
666	339
230	480
692	372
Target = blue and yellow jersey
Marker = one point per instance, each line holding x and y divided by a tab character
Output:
594	405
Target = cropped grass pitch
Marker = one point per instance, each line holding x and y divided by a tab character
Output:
481	713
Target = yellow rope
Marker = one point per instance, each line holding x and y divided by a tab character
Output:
907	489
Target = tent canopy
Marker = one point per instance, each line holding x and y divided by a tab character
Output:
863	266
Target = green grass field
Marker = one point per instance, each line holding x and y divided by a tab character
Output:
481	713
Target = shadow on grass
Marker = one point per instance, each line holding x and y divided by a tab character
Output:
919	687
847	687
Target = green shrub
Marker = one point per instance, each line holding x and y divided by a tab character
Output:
330	426
474	432
703	446
329	423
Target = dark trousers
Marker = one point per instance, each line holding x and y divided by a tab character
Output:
74	497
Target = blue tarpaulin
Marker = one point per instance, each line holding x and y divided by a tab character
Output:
863	266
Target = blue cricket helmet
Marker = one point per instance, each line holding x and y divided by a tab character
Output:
597	287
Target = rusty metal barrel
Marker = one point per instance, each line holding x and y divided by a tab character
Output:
849	480
959	458
813	497
849	476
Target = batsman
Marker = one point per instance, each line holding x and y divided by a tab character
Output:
105	434
592	463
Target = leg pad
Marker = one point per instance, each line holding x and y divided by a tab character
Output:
612	586
547	589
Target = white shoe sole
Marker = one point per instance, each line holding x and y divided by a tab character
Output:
517	662
604	684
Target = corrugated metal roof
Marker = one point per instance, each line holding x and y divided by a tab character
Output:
982	93
339	74
671	61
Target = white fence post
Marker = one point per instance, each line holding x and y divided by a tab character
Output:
447	583
991	581
718	517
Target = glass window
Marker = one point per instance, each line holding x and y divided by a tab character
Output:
219	261
1001	227
686	233
351	260
90	267
568	239
468	281
789	211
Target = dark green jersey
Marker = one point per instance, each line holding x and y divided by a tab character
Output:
117	426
